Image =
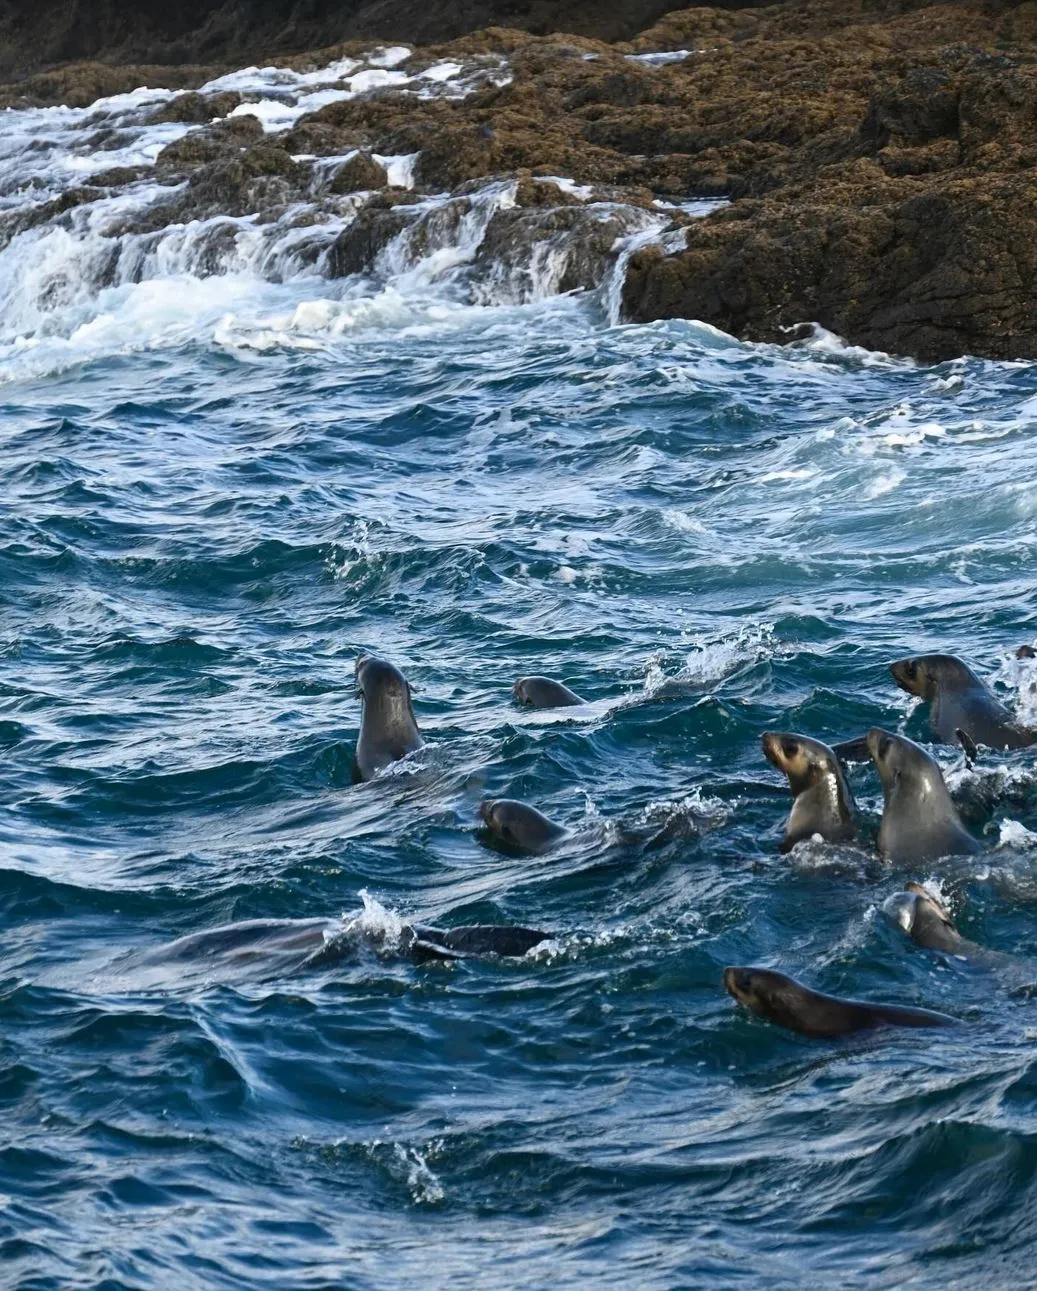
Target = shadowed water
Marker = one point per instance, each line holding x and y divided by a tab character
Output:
205	524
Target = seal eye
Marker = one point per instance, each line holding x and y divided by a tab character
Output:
789	748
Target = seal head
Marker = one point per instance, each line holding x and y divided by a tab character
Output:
388	730
919	821
790	1004
959	702
824	804
925	920
519	825
544	692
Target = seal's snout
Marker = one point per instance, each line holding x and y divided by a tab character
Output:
485	811
770	742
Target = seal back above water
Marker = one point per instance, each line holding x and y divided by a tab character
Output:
388	730
790	1004
824	804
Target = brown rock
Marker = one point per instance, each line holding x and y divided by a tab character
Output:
359	174
940	274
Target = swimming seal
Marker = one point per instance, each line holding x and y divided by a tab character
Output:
519	825
824	804
388	730
473	939
543	692
959	701
919	821
925	920
789	1003
300	944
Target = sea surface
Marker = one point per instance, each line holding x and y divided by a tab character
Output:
222	479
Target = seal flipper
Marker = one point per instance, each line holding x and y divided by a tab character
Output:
428	952
852	750
968	747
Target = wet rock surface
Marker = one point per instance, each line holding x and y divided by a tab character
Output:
880	158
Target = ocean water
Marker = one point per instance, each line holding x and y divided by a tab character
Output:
222	479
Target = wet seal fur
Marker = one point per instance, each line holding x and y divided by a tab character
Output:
519	825
959	702
824	804
790	1004
919	821
388	730
926	920
544	692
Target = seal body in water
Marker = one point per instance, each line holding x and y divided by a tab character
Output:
519	825
790	1004
388	730
959	702
919	821
543	692
824	804
925	920
306	943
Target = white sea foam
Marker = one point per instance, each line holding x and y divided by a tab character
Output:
82	283
662	58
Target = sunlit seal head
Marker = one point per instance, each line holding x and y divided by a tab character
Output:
790	1004
388	730
924	919
519	825
919	821
959	701
824	804
544	692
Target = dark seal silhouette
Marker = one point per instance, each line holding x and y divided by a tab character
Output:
388	730
790	1004
544	692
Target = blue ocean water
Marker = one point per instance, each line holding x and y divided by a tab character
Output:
218	489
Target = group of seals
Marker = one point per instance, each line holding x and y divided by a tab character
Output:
919	824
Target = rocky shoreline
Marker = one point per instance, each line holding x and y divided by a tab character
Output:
878	157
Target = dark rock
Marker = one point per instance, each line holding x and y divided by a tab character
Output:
198	109
359	174
937	275
567	248
357	246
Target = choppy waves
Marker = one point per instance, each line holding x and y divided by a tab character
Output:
219	486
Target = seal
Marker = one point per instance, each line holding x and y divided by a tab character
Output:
388	730
476	939
959	702
789	1003
543	692
301	944
925	920
519	825
824	804
919	821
